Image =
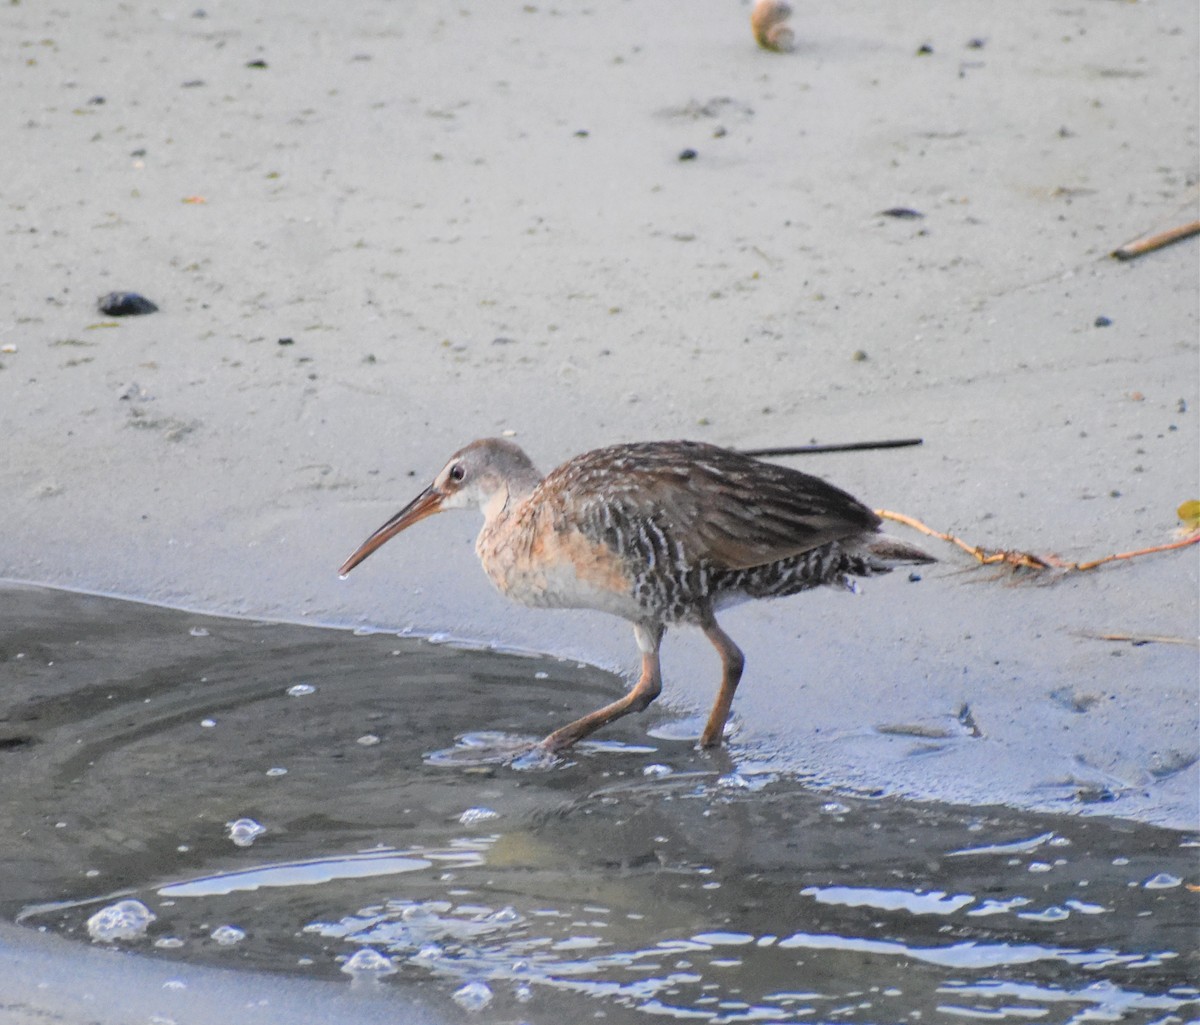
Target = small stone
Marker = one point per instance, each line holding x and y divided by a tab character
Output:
688	154
125	304
1102	321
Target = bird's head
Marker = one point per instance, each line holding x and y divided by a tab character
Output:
486	475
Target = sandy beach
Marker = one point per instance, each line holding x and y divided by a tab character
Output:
377	230
380	230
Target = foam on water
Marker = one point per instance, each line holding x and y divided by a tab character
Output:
124	920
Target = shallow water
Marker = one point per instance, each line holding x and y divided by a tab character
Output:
294	800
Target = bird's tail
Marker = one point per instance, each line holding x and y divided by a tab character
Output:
885	551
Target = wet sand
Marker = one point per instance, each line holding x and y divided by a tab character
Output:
375	232
275	800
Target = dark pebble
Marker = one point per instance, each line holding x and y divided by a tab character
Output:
914	578
125	304
256	64
924	50
582	133
193	83
96	101
687	154
1102	322
976	44
287	341
902	213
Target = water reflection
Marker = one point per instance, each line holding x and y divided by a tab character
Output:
633	882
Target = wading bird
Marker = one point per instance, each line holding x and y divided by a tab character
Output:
658	533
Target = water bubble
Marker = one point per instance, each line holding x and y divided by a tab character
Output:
429	952
168	942
473	815
540	675
1050	914
507	915
198	631
208	724
174	984
124	920
1162	881
1038	866
244	832
369	964
417	913
300	690
277	771
227	935
834	808
522	992
474	996
367	740
657	771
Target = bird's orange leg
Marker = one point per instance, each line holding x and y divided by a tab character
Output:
643	692
732	664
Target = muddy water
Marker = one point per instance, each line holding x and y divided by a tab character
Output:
291	800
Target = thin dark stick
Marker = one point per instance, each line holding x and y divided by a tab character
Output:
846	446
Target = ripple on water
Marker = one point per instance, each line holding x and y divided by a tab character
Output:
721	890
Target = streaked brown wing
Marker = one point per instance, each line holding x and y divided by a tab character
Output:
714	505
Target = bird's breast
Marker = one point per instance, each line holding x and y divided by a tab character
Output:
536	562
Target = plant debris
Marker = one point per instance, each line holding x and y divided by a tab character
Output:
1149	243
1019	560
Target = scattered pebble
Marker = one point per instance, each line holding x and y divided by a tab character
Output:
125	304
768	23
902	213
1102	321
688	154
924	50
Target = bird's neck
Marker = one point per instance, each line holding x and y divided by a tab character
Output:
508	497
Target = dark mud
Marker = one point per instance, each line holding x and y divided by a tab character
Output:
638	881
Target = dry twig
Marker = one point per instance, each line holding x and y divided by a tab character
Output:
1027	560
1149	243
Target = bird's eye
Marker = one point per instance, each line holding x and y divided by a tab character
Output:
457	472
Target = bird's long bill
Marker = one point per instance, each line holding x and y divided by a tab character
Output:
425	504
